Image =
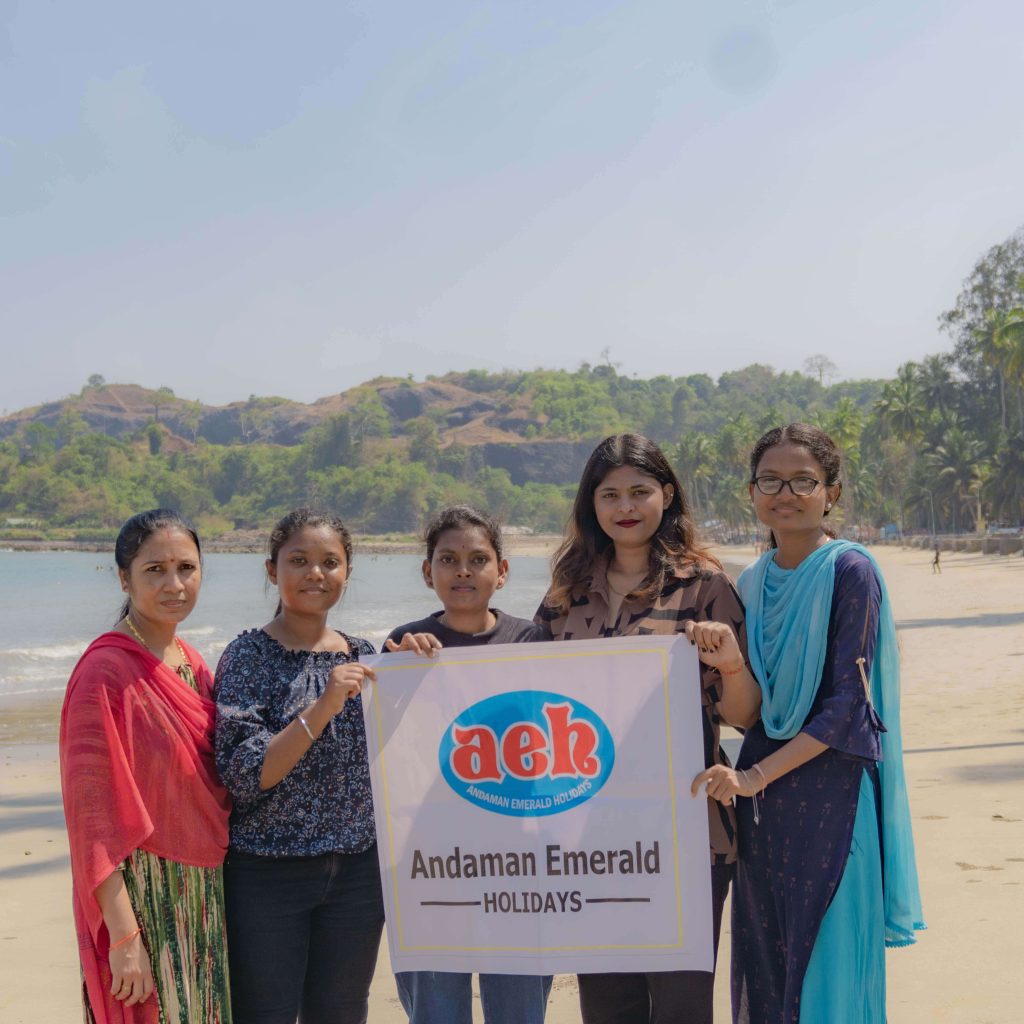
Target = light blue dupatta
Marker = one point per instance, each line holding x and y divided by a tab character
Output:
787	634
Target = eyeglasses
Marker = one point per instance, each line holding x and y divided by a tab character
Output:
801	486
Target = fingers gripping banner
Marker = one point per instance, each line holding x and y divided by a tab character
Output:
533	807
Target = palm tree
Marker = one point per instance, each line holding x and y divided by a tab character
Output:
895	473
960	468
843	424
1007	487
1009	341
921	497
733	444
732	503
695	459
901	408
993	351
860	483
935	379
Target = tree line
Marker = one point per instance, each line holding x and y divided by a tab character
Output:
938	448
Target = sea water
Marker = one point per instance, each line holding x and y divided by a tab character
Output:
54	603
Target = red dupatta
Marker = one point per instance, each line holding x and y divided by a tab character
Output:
137	771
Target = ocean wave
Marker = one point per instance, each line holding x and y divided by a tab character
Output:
34	672
56	688
54	651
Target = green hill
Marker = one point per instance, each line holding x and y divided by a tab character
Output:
390	451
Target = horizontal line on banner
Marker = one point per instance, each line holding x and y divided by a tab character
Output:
620	899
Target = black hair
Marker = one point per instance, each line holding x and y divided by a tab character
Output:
299	518
137	530
674	542
823	449
456	517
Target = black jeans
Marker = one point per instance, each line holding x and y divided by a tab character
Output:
661	997
303	935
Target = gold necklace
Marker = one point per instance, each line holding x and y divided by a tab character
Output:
607	580
135	633
142	640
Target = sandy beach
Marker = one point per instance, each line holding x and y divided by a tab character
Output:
962	640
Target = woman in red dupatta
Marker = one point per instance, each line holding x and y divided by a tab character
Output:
146	814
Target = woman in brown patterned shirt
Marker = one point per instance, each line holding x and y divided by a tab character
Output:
629	565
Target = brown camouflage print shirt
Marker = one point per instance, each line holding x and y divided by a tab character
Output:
688	594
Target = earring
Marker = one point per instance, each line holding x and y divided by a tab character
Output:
828	506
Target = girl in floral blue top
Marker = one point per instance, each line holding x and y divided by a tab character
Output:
302	887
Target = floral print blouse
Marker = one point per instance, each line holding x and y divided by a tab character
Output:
323	804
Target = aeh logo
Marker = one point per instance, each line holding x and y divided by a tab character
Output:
527	753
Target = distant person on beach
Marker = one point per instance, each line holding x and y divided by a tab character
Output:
304	905
936	567
815	901
147	817
465	566
629	565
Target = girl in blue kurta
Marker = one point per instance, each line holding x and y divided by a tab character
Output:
826	876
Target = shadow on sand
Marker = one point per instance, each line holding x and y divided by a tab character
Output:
1008	771
972	746
965	621
54	865
31	810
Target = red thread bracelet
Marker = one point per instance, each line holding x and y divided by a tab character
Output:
127	938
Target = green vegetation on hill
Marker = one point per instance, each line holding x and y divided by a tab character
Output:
939	447
80	479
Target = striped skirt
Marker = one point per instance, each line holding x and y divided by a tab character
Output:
180	909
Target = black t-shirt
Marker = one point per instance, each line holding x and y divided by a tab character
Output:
506	630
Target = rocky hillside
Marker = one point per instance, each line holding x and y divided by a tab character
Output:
496	428
389	452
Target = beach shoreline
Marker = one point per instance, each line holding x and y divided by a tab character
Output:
962	641
247	542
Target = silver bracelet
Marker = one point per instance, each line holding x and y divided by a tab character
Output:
753	796
305	725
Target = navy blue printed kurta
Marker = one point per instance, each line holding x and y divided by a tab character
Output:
791	863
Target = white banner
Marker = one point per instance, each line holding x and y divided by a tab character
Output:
533	807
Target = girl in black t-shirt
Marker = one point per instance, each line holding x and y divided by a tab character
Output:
464	565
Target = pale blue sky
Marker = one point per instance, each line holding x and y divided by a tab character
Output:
238	198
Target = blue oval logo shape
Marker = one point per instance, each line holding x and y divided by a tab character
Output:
527	753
